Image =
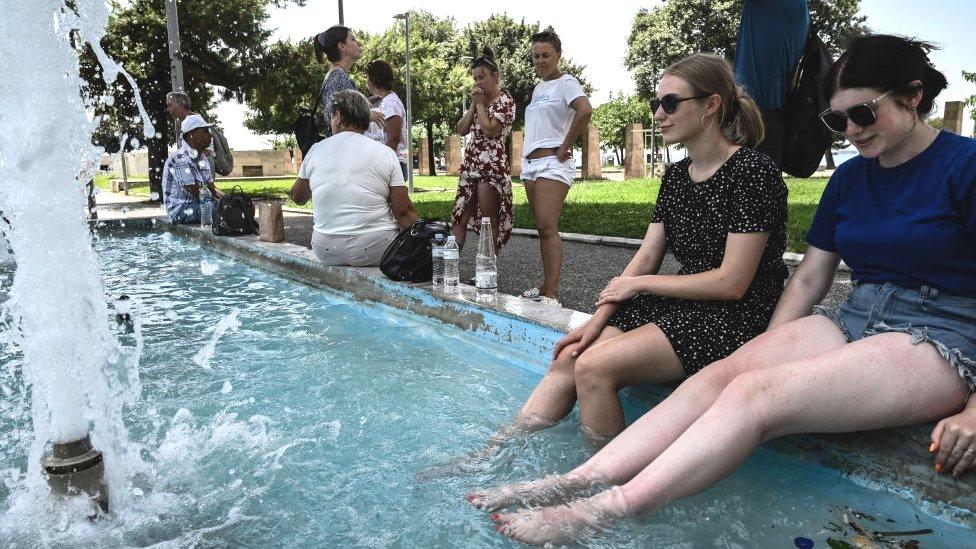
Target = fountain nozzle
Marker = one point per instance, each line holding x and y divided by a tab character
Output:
74	468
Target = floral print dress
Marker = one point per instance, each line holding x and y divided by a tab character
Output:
485	160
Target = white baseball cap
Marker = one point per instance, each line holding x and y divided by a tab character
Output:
193	122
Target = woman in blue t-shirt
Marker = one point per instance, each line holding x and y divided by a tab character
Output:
900	351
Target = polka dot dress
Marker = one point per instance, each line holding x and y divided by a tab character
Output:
745	195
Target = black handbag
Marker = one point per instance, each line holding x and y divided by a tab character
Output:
306	130
807	139
408	257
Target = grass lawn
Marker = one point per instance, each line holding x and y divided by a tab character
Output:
608	208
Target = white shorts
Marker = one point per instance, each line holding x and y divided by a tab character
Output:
549	167
359	250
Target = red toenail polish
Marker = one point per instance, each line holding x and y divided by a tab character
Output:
494	517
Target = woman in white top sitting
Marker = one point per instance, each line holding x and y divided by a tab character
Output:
554	120
359	199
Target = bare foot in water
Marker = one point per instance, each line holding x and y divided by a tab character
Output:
564	523
545	490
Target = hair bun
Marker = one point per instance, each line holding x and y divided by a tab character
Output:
488	53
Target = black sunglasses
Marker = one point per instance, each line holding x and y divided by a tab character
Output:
861	114
670	102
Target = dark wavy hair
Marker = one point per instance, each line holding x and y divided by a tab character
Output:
888	63
326	44
549	35
380	73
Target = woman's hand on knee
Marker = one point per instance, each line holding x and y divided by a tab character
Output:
954	443
581	337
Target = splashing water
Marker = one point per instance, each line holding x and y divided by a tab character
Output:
226	324
79	376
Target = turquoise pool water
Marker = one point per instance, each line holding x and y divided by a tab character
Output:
274	414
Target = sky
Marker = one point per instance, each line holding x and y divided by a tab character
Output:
597	38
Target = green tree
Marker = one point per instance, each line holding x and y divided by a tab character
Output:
971	100
612	117
437	82
511	42
678	28
219	42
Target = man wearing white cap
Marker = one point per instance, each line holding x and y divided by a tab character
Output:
186	169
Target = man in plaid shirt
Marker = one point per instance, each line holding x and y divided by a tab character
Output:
185	170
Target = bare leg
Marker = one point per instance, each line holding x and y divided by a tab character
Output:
644	440
548	197
643	355
460	230
878	382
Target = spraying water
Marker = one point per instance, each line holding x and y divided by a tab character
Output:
79	376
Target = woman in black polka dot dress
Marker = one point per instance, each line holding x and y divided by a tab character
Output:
722	212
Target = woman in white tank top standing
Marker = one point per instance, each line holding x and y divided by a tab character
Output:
554	120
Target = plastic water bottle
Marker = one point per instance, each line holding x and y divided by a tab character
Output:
486	267
452	256
206	207
437	259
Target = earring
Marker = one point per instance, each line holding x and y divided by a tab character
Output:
707	128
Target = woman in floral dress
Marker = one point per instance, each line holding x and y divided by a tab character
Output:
485	187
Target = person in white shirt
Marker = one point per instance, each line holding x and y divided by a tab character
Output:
359	199
380	82
555	118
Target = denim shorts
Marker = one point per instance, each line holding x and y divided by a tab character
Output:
548	167
945	320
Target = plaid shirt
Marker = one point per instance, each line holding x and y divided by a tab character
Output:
184	167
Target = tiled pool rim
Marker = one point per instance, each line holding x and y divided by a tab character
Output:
894	460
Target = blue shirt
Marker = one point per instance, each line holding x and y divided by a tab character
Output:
184	167
912	225
772	35
336	81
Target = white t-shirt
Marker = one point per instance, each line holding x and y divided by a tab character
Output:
548	116
350	176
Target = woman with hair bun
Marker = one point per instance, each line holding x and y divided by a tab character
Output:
555	118
339	45
485	187
900	350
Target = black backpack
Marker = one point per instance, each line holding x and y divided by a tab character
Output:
235	214
408	257
807	138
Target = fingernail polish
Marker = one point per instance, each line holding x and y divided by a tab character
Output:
938	467
932	448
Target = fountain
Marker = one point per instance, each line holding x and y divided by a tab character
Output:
79	376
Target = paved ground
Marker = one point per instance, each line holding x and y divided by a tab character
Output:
587	268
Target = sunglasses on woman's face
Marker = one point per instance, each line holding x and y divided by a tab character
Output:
670	102
861	114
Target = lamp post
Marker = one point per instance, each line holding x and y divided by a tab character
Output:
341	18
406	25
173	34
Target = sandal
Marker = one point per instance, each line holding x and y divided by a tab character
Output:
531	293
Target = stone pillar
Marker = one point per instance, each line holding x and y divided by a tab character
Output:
515	156
634	165
952	117
591	153
454	155
424	157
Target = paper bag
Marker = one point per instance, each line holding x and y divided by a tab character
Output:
271	221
